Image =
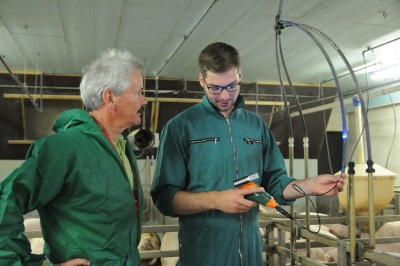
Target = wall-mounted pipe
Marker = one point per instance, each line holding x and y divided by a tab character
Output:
22	86
347	100
185	38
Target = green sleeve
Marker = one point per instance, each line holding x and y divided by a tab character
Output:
22	191
275	177
170	171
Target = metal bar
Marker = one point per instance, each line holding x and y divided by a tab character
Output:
381	257
186	37
302	259
371	212
292	210
149	99
352	210
23	117
306	175
22	86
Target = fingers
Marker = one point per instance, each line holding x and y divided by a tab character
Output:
75	262
242	209
340	183
248	191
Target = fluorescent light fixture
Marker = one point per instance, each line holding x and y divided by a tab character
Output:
392	72
389	56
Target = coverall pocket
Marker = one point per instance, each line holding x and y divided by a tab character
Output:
206	161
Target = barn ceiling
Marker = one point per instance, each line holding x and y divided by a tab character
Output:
62	36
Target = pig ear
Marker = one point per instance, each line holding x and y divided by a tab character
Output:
332	231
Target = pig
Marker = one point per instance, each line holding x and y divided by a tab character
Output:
318	253
169	242
149	241
391	229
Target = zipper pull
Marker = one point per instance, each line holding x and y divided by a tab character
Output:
215	140
248	141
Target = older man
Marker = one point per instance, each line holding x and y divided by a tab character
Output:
83	180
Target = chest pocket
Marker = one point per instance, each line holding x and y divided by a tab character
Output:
249	154
206	159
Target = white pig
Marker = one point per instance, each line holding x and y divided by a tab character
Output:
149	241
169	242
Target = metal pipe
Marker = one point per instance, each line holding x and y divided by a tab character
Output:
41	92
292	227
358	129
352	212
257	98
23	118
185	38
371	207
350	95
379	45
22	86
306	175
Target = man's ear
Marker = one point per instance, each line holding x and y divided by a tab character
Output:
240	76
201	80
107	97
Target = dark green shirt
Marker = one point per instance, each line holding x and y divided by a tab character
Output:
201	151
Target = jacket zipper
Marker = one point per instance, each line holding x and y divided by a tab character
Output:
252	141
214	139
237	177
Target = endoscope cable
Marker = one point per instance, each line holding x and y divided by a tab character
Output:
301	191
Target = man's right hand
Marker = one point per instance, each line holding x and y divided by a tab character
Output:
74	262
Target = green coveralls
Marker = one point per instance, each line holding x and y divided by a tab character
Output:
200	151
76	181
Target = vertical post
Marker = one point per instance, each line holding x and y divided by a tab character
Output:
306	175
23	117
371	208
270	244
292	228
352	212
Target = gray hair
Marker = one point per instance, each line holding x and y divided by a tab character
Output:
110	71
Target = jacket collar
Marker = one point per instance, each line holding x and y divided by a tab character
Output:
238	104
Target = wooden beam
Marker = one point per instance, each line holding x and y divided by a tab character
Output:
149	99
20	141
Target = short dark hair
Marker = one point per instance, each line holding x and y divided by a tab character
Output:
218	57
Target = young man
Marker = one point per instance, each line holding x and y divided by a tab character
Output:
203	151
83	180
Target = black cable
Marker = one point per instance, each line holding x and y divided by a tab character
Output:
282	87
301	191
292	89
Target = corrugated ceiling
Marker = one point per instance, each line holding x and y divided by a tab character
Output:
65	35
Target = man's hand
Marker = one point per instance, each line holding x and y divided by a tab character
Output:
233	201
228	201
323	185
74	262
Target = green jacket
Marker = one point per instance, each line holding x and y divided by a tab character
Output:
200	151
76	181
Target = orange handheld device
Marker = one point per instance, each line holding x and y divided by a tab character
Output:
262	198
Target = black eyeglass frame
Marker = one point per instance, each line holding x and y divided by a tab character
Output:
233	87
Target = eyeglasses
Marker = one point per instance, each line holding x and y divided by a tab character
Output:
218	89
